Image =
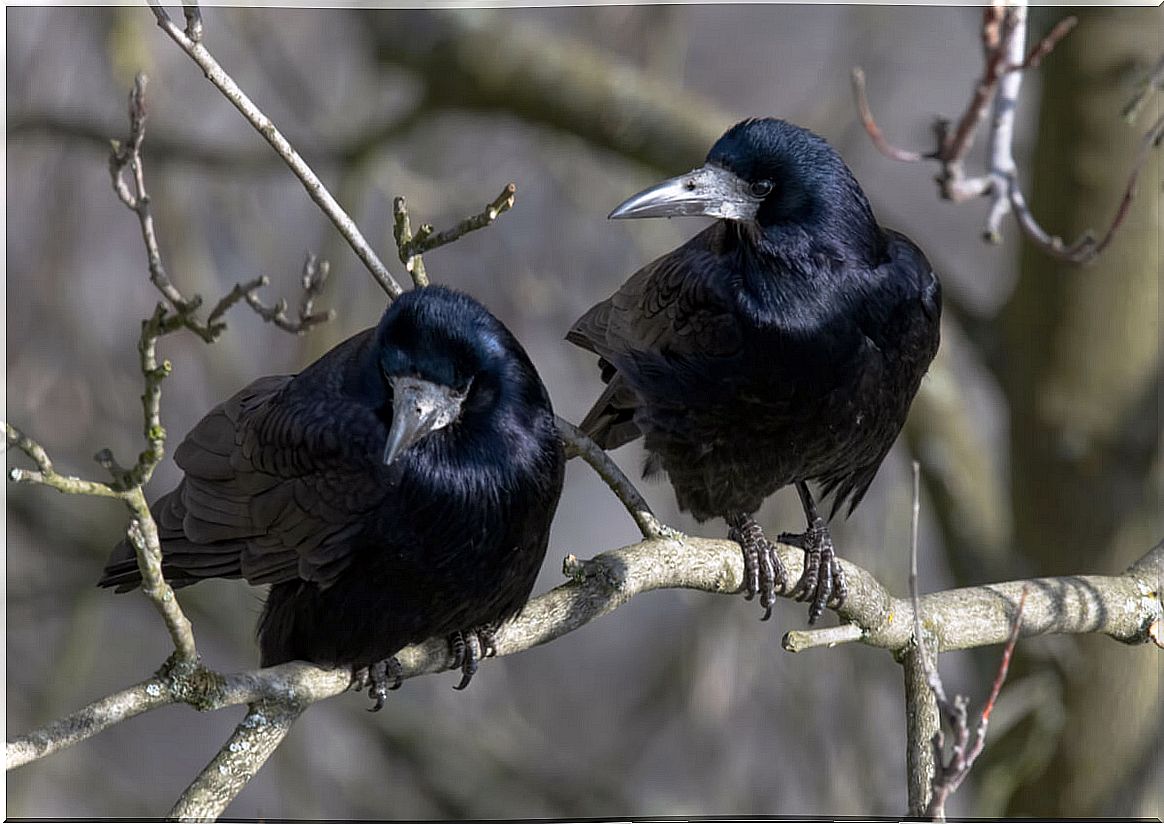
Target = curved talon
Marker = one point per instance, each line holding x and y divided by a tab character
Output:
378	673
823	581
472	656
378	678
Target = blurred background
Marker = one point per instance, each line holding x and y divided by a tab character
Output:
1038	428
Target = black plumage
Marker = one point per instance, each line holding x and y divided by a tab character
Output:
781	345
399	488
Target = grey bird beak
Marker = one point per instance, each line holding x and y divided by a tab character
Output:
418	408
709	190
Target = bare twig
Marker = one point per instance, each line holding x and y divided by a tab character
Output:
944	776
1152	82
949	775
1086	250
410	247
1047	44
315	272
426	239
922	723
125	155
402	232
266	127
45	474
579	444
801	640
143	534
875	134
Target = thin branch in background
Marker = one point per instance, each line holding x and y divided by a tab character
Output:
1151	83
875	134
1003	36
127	155
45	474
266	127
315	273
950	774
1047	44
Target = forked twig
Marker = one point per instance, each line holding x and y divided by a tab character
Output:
1003	36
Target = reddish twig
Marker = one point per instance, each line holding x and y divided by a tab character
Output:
949	775
883	145
1002	35
1047	44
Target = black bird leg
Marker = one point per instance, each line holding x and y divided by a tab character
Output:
468	647
823	581
376	679
763	571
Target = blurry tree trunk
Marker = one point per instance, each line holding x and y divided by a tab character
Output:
1082	374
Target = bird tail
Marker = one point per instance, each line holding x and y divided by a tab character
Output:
610	422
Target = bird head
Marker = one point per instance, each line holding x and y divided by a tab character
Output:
763	171
445	359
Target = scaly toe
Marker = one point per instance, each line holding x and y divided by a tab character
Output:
764	574
381	677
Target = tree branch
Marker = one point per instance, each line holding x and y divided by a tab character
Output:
1004	27
266	127
579	444
257	736
1121	606
410	247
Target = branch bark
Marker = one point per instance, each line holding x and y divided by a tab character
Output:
1123	607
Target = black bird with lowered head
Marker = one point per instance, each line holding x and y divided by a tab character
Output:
781	345
399	488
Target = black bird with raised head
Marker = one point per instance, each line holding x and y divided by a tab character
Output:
399	488
781	345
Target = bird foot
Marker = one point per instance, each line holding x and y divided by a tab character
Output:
377	679
468	647
823	581
763	571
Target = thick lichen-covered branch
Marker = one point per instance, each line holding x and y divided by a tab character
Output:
1121	606
258	735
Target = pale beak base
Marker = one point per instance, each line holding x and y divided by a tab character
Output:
418	408
710	191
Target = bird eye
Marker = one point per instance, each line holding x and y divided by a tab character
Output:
761	188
